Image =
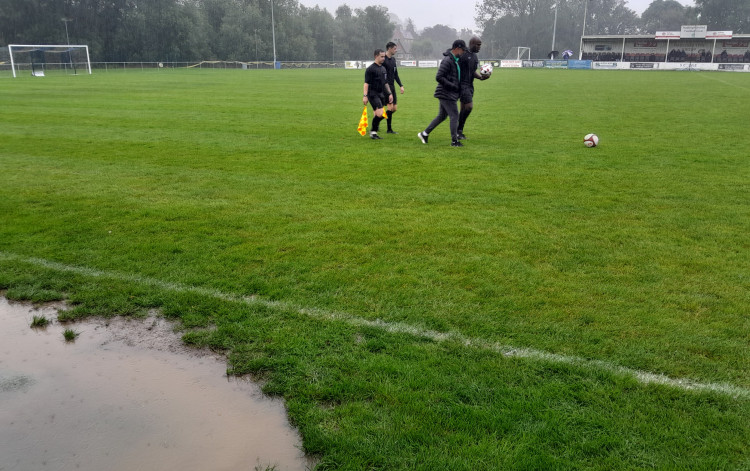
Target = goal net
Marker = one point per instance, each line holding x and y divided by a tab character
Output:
518	53
40	59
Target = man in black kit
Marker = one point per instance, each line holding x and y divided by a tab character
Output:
391	69
376	89
448	91
468	63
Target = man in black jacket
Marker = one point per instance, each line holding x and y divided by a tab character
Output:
469	63
448	91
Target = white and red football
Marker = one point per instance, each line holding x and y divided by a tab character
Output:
591	140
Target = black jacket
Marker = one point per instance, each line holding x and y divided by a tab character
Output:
469	63
447	77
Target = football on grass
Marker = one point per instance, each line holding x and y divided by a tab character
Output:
486	69
591	140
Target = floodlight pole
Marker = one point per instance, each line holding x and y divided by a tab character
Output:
273	36
554	30
583	30
66	20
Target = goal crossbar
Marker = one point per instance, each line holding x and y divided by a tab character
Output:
43	47
519	52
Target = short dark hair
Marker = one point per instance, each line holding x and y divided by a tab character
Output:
390	44
378	52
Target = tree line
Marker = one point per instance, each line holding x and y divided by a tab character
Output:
509	23
188	30
191	30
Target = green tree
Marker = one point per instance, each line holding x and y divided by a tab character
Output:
292	32
423	49
33	21
361	31
375	24
507	24
323	33
98	23
161	30
178	30
353	42
666	15
725	15
244	33
612	17
410	28
224	19
435	40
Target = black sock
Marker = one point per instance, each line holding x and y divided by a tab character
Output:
462	119
390	117
376	123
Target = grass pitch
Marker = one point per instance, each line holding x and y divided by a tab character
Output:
520	303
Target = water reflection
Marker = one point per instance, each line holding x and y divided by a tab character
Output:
128	397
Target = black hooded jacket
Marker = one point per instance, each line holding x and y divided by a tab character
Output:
448	78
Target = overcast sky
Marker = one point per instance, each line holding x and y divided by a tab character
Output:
455	13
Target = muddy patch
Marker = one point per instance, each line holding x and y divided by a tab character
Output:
127	396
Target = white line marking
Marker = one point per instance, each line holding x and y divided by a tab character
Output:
643	377
719	79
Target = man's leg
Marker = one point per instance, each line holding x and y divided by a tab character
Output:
442	114
377	107
451	108
466	108
390	121
392	108
376	123
467	99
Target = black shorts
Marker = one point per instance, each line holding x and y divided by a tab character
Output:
395	90
377	101
467	93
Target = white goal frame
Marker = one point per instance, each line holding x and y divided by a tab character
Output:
33	47
522	51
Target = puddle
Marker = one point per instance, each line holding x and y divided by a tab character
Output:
126	397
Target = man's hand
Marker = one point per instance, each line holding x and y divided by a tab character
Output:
364	100
390	98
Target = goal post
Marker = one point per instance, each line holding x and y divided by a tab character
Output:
42	50
518	53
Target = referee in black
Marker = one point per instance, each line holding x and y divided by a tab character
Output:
391	69
375	91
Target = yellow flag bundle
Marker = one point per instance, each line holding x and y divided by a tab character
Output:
362	128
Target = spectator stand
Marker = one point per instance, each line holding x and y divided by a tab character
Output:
670	50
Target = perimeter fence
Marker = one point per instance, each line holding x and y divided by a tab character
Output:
25	68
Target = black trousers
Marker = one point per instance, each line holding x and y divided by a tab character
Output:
448	108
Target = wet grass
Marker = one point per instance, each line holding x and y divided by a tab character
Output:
39	322
70	335
245	205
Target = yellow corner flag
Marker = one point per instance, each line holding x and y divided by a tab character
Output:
385	114
362	128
